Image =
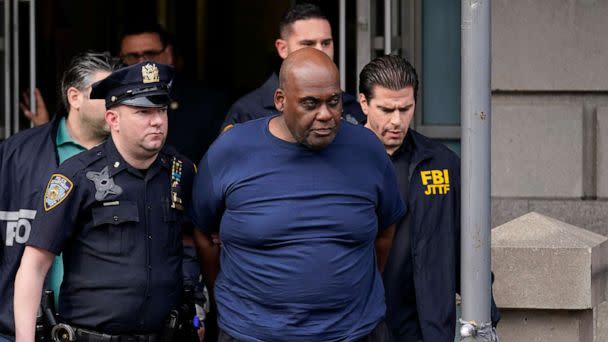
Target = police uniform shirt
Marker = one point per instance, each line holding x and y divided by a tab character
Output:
120	233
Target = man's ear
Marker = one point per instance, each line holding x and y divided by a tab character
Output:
363	103
279	100
75	97
281	46
112	119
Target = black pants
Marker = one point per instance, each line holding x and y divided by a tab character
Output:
379	334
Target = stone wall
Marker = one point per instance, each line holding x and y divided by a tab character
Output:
550	110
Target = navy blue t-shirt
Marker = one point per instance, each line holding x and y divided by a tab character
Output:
298	228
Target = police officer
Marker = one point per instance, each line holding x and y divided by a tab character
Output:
116	213
28	158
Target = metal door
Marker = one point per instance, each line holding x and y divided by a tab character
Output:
427	33
19	59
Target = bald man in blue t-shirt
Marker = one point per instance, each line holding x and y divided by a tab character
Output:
306	206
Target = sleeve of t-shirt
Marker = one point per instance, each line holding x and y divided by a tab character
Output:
391	208
56	215
207	198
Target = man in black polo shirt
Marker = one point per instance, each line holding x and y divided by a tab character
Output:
116	212
304	25
421	277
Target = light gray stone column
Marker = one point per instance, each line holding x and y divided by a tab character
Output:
550	280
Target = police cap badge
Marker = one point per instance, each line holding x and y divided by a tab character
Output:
145	84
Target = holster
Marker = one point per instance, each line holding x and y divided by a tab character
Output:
45	318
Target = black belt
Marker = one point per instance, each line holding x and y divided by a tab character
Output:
85	335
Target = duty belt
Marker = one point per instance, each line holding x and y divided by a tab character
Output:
69	333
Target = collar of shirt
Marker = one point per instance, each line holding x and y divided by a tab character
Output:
66	145
406	147
116	162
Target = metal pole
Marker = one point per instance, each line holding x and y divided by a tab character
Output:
33	58
15	66
7	69
388	34
342	47
476	122
364	20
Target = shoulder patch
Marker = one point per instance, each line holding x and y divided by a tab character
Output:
437	182
57	190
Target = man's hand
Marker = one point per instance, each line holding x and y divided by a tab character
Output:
41	115
201	334
215	238
383	243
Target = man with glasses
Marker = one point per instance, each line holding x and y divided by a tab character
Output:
146	43
195	112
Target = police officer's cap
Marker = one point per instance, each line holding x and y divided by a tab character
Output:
144	84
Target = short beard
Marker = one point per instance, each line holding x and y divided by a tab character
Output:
94	128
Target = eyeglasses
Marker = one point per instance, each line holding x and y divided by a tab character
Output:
134	57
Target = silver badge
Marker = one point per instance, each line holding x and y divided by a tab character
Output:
104	184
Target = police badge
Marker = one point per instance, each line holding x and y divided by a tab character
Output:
57	190
149	73
104	184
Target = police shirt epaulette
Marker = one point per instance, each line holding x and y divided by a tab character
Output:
91	156
84	159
